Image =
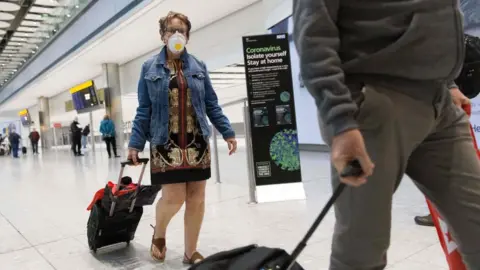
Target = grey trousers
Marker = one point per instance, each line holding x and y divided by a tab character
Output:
433	146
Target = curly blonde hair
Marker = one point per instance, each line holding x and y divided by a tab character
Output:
163	22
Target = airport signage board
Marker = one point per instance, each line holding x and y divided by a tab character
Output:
276	158
84	96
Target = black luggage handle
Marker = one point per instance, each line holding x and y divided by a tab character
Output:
130	162
353	169
123	165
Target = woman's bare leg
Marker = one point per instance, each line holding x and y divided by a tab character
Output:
194	212
173	197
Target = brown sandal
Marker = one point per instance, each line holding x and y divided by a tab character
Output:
196	258
159	244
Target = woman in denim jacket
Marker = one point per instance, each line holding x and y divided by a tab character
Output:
175	97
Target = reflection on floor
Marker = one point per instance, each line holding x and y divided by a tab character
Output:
43	217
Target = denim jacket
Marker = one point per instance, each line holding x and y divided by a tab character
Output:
152	118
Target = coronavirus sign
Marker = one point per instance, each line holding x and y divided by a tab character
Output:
276	158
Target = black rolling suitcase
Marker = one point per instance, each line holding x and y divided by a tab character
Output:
253	257
114	219
24	150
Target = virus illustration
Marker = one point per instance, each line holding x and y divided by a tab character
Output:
284	150
285	96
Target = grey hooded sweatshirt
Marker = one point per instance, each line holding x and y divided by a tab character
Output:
413	46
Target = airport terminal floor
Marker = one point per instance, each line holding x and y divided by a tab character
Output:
43	216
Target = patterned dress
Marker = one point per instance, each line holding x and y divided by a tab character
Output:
186	155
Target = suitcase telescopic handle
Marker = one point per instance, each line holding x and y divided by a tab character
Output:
130	162
352	169
144	162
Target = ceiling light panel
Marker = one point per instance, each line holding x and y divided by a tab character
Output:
49	3
17	59
5	16
26	29
22	34
41	10
34	17
13	47
8	6
25	50
15	43
4	24
19	39
30	23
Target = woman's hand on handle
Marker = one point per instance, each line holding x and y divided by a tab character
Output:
133	156
232	145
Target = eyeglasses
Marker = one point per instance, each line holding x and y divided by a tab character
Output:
173	30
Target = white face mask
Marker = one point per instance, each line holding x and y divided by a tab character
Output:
176	43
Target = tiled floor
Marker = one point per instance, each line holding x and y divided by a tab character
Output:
43	217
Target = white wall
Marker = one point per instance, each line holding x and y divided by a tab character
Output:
278	10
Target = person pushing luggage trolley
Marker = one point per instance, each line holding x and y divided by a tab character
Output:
381	73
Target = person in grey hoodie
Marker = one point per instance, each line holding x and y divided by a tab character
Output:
381	73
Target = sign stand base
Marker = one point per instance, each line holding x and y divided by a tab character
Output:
281	192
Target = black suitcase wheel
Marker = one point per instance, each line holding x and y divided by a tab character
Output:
92	228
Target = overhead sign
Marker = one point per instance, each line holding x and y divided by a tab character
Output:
84	96
81	87
23	112
25	117
272	109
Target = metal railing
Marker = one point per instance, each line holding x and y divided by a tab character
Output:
248	144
